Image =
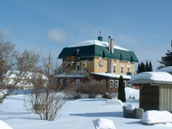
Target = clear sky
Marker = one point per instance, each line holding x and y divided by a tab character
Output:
143	26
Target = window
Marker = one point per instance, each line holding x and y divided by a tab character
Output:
120	56
122	69
116	83
77	81
128	69
103	55
131	59
114	68
111	84
77	52
61	82
125	83
77	65
103	81
67	82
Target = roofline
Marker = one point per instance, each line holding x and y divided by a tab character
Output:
151	82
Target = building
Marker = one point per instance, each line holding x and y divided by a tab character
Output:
102	60
155	89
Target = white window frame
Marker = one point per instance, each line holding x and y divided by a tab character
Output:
116	83
77	64
122	69
61	82
114	68
103	81
111	83
128	69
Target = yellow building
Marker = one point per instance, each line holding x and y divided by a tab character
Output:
99	58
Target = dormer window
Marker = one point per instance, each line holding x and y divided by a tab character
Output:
120	56
131	59
103	55
77	52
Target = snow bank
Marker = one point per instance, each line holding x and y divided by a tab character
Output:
132	93
103	123
156	117
4	125
115	102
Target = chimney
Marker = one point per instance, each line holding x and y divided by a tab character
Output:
111	51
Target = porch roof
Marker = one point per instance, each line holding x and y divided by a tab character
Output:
112	75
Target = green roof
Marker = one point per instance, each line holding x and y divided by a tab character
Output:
87	52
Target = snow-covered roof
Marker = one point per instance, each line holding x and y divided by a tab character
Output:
29	75
152	77
166	69
112	75
96	42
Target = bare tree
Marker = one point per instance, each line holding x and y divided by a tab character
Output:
46	99
14	67
7	62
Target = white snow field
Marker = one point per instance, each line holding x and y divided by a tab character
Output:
75	114
3	125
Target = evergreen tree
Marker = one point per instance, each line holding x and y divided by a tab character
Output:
146	66
166	60
121	90
138	68
150	66
142	67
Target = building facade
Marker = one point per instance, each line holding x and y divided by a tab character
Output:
100	59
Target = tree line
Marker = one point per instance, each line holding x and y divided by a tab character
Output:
144	67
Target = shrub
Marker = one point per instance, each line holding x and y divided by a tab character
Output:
92	88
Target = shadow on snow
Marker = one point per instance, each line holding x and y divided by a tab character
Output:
99	114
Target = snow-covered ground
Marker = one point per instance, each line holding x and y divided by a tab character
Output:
75	114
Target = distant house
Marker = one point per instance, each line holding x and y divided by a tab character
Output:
22	80
155	89
102	60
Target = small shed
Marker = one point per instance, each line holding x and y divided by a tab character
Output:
155	90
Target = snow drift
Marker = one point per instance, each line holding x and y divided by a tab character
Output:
156	117
4	125
103	123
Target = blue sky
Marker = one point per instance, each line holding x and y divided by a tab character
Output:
143	26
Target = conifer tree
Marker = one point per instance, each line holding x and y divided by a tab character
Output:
121	90
147	66
166	60
150	66
138	68
142	67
